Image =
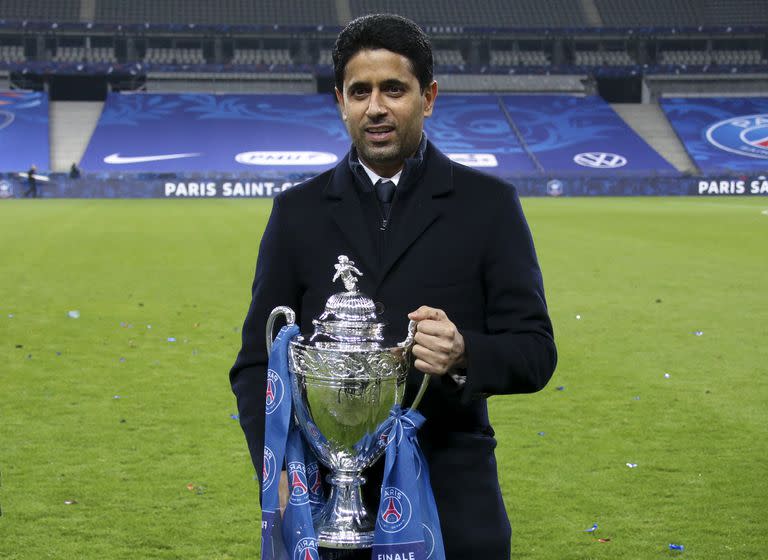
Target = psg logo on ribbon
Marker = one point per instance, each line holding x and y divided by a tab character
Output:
746	135
306	549
314	481
269	471
395	510
297	477
275	391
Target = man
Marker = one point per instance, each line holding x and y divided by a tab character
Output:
443	245
31	182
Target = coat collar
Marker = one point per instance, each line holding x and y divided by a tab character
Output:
420	206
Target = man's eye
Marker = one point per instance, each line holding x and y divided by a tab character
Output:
359	92
395	89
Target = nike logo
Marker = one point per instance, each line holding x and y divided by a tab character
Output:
118	159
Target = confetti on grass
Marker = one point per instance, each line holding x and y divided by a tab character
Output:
73	502
698	333
591	529
75	314
676	547
234	417
632	465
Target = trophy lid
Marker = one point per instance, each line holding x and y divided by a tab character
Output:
349	321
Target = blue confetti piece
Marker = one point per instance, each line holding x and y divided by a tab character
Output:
234	417
561	388
542	433
122	360
73	314
591	529
171	339
632	465
676	547
698	333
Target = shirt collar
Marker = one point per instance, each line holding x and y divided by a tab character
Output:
410	167
374	177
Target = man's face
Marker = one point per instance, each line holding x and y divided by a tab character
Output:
384	108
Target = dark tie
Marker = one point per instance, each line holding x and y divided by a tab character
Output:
385	191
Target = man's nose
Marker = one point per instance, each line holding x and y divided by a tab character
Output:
376	107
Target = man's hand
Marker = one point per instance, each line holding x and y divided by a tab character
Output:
439	346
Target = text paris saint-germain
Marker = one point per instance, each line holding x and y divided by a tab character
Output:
228	189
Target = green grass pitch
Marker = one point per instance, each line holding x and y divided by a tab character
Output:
116	441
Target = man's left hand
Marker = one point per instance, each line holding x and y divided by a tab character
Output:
439	346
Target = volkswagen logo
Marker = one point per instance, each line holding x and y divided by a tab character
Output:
600	160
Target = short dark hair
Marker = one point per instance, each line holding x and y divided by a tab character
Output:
384	31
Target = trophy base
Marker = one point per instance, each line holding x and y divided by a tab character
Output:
344	522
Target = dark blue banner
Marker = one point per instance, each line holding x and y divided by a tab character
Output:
567	133
24	131
223	185
722	134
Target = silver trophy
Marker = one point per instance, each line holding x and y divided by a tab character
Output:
346	379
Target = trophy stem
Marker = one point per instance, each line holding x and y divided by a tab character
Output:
344	522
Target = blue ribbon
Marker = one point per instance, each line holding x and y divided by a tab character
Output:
406	523
293	536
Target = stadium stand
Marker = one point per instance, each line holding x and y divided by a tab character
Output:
40	10
12	54
686	57
722	134
497	13
518	58
233	12
71	126
649	121
448	56
174	56
262	56
24	120
631	13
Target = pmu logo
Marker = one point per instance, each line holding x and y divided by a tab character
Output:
269	470
297	476
275	391
395	510
286	158
746	135
306	549
600	160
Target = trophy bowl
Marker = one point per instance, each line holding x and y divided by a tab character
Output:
346	378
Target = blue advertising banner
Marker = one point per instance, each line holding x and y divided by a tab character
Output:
24	131
473	130
277	134
567	133
196	132
224	185
722	134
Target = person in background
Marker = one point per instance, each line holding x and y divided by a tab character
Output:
31	182
74	171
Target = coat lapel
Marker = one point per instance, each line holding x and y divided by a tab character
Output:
420	207
347	213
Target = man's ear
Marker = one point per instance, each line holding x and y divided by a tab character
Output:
430	94
340	99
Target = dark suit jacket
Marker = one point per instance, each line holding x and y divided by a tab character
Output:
457	240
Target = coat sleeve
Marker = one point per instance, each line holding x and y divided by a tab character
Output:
516	352
274	284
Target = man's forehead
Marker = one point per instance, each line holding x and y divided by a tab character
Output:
378	65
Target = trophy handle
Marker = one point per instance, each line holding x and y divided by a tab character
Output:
290	319
408	344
